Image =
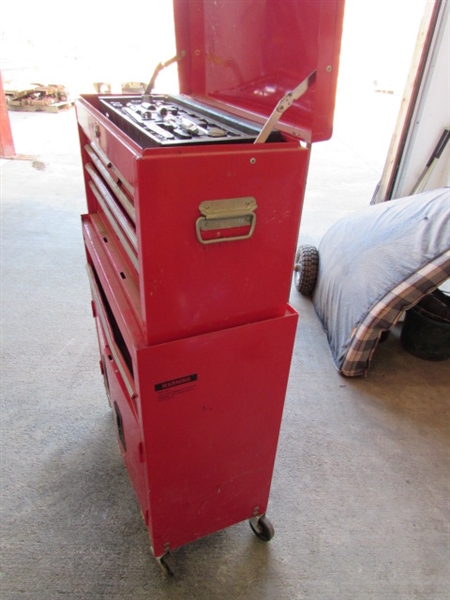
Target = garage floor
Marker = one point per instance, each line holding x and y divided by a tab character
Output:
360	495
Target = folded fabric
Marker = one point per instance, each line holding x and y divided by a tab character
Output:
376	263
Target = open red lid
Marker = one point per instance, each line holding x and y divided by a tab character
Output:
245	55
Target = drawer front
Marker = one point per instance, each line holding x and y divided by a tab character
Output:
124	410
113	201
114	279
117	348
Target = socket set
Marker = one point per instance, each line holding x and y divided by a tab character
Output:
161	120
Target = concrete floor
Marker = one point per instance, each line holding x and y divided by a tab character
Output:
361	485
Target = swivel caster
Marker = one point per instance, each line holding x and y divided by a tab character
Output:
166	564
262	528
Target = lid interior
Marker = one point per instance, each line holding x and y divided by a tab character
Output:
248	54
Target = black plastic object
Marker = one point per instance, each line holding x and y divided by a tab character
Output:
426	329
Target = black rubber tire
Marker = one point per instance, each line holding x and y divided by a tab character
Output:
306	269
262	528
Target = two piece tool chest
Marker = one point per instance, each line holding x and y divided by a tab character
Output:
194	205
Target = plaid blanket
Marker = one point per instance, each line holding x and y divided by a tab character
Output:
374	265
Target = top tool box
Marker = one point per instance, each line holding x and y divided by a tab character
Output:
178	214
194	205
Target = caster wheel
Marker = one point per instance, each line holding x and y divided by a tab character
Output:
166	564
262	528
306	269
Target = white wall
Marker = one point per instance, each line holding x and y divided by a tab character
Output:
431	116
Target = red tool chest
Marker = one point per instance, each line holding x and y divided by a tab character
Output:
190	242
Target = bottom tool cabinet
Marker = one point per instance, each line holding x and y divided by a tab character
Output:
198	422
